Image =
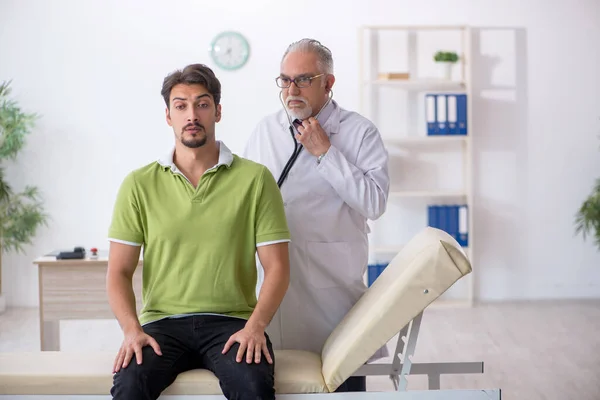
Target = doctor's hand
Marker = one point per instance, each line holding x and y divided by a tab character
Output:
252	341
313	137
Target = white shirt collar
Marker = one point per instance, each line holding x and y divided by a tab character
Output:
225	158
329	118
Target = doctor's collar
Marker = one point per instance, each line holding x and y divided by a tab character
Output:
323	116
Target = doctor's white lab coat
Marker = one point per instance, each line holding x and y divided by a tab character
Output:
327	206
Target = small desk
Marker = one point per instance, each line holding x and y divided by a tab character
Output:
74	289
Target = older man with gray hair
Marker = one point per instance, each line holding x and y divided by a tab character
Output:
331	167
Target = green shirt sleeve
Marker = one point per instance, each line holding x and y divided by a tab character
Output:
126	224
271	222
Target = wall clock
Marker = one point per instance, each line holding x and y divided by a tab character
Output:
230	50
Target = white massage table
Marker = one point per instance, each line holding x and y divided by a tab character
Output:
425	268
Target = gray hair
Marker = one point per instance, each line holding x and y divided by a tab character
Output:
324	57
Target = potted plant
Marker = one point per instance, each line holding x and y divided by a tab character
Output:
446	59
587	218
21	213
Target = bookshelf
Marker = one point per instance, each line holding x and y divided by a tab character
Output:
397	72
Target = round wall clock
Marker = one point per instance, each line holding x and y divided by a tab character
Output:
230	50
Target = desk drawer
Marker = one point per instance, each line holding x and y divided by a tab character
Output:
78	292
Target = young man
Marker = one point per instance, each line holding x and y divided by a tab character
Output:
201	214
332	167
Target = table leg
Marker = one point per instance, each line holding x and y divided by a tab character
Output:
50	336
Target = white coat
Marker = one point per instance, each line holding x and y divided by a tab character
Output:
327	206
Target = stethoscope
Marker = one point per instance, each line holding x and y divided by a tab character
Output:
297	147
297	150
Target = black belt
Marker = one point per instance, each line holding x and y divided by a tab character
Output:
291	161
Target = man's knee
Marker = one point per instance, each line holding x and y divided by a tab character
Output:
258	387
130	383
251	382
138	381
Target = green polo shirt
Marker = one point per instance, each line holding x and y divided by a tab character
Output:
199	244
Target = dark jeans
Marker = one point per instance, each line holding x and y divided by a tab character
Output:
353	384
190	343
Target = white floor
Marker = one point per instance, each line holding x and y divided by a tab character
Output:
531	351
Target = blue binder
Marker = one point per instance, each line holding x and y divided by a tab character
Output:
442	114
431	113
453	221
451	218
461	110
463	226
433	216
373	272
443	217
452	111
446	114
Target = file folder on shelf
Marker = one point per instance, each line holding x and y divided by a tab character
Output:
374	270
451	218
446	114
451	104
441	114
461	113
430	113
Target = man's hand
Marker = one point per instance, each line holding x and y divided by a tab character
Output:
132	344
252	341
313	137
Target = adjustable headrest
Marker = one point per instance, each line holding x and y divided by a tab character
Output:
424	269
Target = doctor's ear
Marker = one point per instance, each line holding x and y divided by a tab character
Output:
329	83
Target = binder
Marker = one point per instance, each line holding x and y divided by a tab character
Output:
432	216
374	270
442	114
446	114
452	219
452	114
372	273
430	114
463	226
443	217
461	108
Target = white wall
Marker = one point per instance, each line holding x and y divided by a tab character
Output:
93	70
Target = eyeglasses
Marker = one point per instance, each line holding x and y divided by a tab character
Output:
301	82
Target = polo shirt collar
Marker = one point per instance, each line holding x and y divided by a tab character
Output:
225	158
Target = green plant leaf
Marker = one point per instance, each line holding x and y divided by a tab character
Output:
14	124
587	218
447	56
22	213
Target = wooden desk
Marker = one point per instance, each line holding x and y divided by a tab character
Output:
74	289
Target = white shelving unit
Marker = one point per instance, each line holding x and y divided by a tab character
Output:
397	107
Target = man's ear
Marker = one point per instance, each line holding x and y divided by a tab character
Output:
168	116
218	113
329	83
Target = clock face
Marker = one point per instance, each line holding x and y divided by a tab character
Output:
230	50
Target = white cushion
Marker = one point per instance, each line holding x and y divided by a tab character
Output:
424	269
62	373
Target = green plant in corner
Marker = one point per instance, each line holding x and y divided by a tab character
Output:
21	213
587	218
445	56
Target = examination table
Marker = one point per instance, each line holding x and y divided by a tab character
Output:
423	270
